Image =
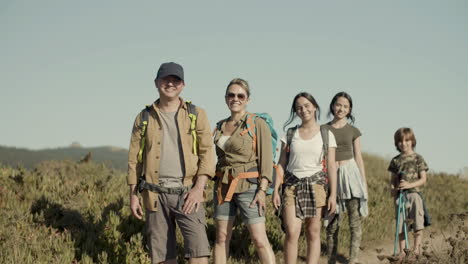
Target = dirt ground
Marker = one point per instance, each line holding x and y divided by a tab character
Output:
434	242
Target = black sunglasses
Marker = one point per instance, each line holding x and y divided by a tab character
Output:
240	96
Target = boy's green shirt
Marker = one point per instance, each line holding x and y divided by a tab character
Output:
408	168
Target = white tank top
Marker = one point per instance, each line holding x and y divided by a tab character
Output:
305	156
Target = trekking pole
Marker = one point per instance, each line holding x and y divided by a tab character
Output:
397	225
401	211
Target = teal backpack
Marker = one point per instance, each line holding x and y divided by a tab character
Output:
250	125
251	129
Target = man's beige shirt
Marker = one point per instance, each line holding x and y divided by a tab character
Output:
203	164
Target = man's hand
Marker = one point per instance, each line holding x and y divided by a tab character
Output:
193	199
260	200
135	206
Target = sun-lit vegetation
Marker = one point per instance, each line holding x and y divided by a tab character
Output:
68	212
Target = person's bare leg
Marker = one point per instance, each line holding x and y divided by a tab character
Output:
293	225
202	260
402	245
261	243
417	241
313	237
223	237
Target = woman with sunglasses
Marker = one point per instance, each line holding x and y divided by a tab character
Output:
244	171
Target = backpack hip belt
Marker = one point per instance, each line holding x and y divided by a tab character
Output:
233	181
143	185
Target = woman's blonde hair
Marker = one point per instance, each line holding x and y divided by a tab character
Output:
242	83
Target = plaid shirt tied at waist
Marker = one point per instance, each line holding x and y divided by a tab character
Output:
305	195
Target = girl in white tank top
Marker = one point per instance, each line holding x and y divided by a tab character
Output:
303	160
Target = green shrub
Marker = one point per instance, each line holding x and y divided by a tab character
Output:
65	212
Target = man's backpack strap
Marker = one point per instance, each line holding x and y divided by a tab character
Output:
143	125
324	132
192	113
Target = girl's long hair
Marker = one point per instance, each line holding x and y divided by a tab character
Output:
293	113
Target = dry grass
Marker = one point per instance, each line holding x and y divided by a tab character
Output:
64	212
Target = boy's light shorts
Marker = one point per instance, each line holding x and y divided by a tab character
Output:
415	212
289	196
240	201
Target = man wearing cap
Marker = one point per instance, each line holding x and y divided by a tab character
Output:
172	171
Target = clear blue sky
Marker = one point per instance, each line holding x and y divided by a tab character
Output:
81	70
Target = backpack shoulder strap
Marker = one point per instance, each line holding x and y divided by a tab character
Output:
324	133
251	129
191	108
192	113
143	125
145	115
218	126
289	136
249	124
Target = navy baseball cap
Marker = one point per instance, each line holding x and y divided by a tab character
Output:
170	68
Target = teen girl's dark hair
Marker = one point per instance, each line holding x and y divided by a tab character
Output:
348	97
293	113
401	134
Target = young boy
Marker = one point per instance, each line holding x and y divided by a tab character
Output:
408	174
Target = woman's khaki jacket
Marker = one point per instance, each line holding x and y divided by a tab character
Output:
203	164
239	156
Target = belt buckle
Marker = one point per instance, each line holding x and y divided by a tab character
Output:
175	190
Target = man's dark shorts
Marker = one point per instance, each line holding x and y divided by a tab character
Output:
161	230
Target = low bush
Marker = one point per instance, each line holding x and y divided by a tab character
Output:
68	212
